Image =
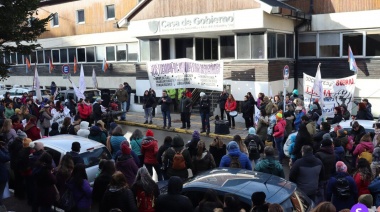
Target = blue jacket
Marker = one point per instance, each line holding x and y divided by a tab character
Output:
115	142
4	158
339	203
374	188
243	158
339	153
298	120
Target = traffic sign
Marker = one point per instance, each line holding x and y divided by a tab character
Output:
65	69
286	72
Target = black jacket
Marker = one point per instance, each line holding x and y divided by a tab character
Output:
246	109
222	100
100	186
328	158
358	134
301	139
259	143
205	104
165	106
177	145
97	111
148	101
337	118
173	201
185	104
76	158
121	198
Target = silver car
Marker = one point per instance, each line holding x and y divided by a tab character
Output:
91	151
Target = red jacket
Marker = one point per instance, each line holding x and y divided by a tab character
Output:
230	105
84	111
32	132
363	146
18	126
279	129
361	184
149	149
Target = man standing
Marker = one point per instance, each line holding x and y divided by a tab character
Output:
307	172
165	102
74	153
122	96
128	88
222	102
184	108
97	110
204	109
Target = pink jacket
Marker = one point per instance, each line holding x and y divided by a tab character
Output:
230	106
362	146
279	129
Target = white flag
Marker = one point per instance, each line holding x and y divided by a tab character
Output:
37	84
317	87
94	80
82	82
77	92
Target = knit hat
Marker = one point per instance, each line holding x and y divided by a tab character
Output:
278	116
341	132
149	133
340	167
17	110
26	142
252	131
36	145
202	94
326	142
21	134
295	92
125	149
327	136
101	123
232	145
366	199
196	135
113	125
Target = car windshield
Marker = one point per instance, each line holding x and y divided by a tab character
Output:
368	130
91	94
93	156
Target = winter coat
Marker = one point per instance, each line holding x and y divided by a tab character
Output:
165	106
341	204
318	137
83	195
173	201
4	158
363	146
346	115
301	139
361	115
204	104
14	148
337	118
269	107
115	143
222	100
161	151
76	157
184	105
217	153
136	146
246	109
83	131
192	146
98	135
327	156
17	126
243	158
358	134
149	148
298	120
311	128
259	143
97	111
127	165
148	101
343	140
33	132
279	129
121	198
206	162
100	186
361	184
138	188
374	140
45	186
262	127
9	137
307	172
168	159
271	166
272	123
9	112
230	105
374	188
339	153
84	111
121	95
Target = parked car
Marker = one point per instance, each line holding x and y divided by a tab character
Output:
91	151
18	92
368	125
92	94
243	183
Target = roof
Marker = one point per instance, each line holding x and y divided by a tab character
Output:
125	20
63	142
276	3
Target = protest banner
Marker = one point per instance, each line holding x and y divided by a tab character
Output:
185	73
336	92
59	116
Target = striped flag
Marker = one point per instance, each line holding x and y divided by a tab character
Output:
75	64
105	65
27	64
51	66
351	60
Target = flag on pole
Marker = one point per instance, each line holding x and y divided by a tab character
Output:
77	92
37	84
75	64
94	80
51	66
27	64
351	60
317	87
105	65
82	81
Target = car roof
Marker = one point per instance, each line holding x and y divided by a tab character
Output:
63	142
242	182
367	124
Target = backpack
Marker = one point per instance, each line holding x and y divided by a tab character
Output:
252	147
145	202
366	155
342	188
235	162
179	162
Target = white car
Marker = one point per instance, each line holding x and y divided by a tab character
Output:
368	125
18	92
91	151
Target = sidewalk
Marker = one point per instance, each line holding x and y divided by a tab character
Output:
137	119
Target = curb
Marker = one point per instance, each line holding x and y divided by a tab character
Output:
153	126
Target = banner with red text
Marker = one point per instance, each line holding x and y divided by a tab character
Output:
185	73
336	92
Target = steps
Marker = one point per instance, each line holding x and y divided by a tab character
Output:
213	95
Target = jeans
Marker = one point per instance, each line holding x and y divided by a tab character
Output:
157	167
231	120
205	117
148	113
185	118
166	114
124	108
279	147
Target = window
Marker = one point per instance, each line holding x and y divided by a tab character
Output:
20	59
206	49
47	55
150	50
81	55
280	45
257	46
40	57
307	45
110	53
184	48
165	49
121	52
92	158
250	46
110	11
243	46
373	43
63	55
33	58
289	46
90	54
132	49
55	20
13	58
355	40
154	49
72	54
227	47
55	55
271	45
329	45
100	53
80	16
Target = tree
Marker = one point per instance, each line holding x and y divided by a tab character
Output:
20	29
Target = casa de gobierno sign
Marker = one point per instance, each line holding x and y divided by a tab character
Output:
185	73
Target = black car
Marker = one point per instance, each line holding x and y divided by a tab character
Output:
243	183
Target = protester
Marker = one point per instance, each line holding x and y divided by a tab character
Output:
340	154
97	110
128	88
345	113
218	150
185	109
254	145
279	134
374	188
74	153
63	173
14	148
75	126
269	164
102	180
242	146
203	160
235	158
4	172
115	140
97	134
9	111
85	110
166	145
16	123
65	125
232	203
148	102
363	176
375	165
204	110
367	200
229	107
258	202
32	130
337	115
209	202
54	129
271	124
149	148
310	125
246	110
342	137
84	131
365	148
126	164
222	102
262	125
165	102
177	159
298	115
302	138
193	143
122	96
8	133
145	190
325	207
135	141
252	102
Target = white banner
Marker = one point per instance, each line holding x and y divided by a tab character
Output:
185	73
59	116
336	92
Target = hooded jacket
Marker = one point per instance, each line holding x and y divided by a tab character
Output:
149	148
84	111
339	153
46	119
374	188
32	131
259	143
298	120
83	195
178	146
83	130
234	151
126	164
165	106
279	129
204	104
98	135
118	197
328	158
331	196
270	165
311	128
206	162
148	101
363	146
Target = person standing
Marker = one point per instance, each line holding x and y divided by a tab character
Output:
80	188
165	102
122	96
149	148
135	140
184	108
45	119
252	101
126	164
203	160
53	88
145	190
74	153
218	150
85	110
204	109
269	164
4	172
128	88
235	158
148	102
222	102
153	93
229	107
176	159
97	110
246	110
278	134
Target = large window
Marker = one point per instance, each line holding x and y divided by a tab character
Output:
373	43
40	57
110	11
55	55
280	45
329	45
132	49
63	55
13	58
165	49
20	58
81	55
121	52
272	45
355	40
227	47
80	16
307	45
150	50
90	54
184	48
289	46
72	54
110	53
33	58
206	49
55	20
250	46
47	55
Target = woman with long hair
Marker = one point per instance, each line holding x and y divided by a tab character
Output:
81	188
118	195
135	141
229	107
63	173
31	129
218	150
203	160
209	202
8	133
45	117
102	180
166	145
303	137
25	112
65	125
115	140
145	190
363	176
8	110
242	146
260	98
262	125
126	164
231	203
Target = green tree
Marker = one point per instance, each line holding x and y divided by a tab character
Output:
19	29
